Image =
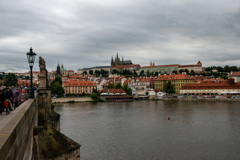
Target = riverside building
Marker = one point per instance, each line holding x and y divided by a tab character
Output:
214	87
177	80
78	87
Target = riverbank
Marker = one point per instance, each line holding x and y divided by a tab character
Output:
203	99
88	99
71	100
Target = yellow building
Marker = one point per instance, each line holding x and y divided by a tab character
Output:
177	80
78	87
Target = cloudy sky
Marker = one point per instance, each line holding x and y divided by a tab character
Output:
87	33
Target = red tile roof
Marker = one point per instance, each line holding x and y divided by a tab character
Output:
174	77
235	74
73	83
114	91
212	85
129	66
161	66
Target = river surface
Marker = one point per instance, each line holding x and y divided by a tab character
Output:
140	130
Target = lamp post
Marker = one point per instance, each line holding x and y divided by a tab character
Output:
31	57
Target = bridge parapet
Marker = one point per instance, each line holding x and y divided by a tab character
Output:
16	132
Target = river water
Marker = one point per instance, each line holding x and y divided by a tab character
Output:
140	130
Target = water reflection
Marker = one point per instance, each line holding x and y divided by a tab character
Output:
141	129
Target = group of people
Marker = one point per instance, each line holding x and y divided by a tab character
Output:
11	98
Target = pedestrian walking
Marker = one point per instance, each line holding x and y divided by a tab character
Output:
6	104
16	94
22	97
2	99
8	96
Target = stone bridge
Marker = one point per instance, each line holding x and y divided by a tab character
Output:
32	131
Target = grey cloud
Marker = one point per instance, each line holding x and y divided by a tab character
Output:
85	34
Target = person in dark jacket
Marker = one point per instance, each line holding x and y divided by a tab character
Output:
22	97
15	96
7	95
2	99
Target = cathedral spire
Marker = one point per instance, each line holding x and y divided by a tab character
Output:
112	61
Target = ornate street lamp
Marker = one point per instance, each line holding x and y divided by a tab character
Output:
31	57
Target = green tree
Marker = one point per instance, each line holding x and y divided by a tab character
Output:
233	68
224	76
115	71
148	73
142	73
174	72
118	85
57	79
10	80
168	87
135	73
192	72
91	72
1	77
58	89
128	90
94	96
110	86
226	68
85	72
181	70
97	72
208	69
220	69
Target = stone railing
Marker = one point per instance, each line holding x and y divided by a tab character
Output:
16	132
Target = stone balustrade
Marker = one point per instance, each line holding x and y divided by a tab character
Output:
16	132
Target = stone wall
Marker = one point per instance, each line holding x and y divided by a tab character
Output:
16	132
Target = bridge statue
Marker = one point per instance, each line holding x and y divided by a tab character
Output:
33	130
43	74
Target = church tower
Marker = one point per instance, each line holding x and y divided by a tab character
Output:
58	71
117	60
112	64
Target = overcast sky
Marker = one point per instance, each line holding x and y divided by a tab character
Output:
87	33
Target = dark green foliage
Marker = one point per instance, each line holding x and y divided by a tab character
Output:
115	71
110	86
168	87
226	68
156	74
10	80
181	70
128	90
57	79
142	73
85	72
91	72
56	88
127	73
135	73
104	73
148	73
94	96
224	76
118	86
97	73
